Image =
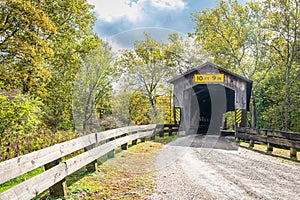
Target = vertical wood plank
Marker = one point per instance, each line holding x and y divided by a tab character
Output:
134	142
152	137
269	148
59	189
293	153
124	146
161	132
251	143
110	154
170	131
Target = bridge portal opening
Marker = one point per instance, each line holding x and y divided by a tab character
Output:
209	104
205	94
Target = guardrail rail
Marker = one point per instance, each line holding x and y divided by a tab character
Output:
271	138
56	170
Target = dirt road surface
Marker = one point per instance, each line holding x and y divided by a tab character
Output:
211	167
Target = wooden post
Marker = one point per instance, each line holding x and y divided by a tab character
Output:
143	139
170	131
293	153
110	154
269	148
93	166
152	137
60	188
251	143
154	134
134	142
162	132
124	146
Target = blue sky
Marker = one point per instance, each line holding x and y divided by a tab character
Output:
127	20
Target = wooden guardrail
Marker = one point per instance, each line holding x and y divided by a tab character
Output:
56	170
271	137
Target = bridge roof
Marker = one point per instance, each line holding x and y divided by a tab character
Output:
193	71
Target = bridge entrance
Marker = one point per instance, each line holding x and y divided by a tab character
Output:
205	94
208	104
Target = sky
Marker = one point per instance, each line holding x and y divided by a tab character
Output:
123	21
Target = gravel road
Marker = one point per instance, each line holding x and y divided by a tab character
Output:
211	167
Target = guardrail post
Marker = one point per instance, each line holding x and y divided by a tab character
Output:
153	136
60	188
124	146
111	154
143	139
162	132
251	143
93	165
293	153
134	142
269	148
170	130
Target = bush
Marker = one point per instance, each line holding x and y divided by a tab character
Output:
22	129
19	122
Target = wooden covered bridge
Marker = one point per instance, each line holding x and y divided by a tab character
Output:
203	95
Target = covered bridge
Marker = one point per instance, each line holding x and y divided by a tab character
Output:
204	94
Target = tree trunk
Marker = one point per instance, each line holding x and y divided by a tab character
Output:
287	98
253	114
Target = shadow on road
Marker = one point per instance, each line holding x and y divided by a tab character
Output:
206	141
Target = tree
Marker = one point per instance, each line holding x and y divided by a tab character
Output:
41	44
139	107
73	40
120	108
145	68
233	35
224	32
184	53
25	46
283	27
93	86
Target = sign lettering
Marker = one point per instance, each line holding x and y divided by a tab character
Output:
209	78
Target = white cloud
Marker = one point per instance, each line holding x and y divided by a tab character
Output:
168	4
110	10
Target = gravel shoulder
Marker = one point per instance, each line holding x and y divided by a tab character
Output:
211	167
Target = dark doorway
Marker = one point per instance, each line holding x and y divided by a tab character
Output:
213	101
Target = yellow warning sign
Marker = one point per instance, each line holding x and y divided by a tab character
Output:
209	78
177	114
238	116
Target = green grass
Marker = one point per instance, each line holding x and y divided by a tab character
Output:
128	176
166	139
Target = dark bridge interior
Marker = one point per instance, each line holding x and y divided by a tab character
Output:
213	101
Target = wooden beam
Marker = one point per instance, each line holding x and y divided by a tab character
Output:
15	167
293	153
57	171
60	188
269	148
